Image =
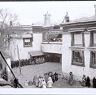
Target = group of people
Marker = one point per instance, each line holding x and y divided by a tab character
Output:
45	81
87	83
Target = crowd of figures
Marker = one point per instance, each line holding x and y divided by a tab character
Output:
48	79
86	81
45	81
25	62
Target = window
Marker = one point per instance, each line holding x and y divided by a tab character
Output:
93	59
93	39
52	37
78	58
55	37
77	39
27	42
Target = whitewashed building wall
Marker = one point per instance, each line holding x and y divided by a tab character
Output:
67	66
52	47
24	51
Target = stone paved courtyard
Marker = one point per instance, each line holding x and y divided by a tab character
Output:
28	72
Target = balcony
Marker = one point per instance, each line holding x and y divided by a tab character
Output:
52	47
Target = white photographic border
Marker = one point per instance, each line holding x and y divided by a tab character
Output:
55	91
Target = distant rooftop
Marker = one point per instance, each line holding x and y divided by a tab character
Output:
83	19
19	29
41	23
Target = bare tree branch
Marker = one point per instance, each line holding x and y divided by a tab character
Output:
5	18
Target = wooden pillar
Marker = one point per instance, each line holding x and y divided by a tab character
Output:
8	70
61	59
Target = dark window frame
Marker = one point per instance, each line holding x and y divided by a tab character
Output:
92	64
72	39
30	43
92	44
77	63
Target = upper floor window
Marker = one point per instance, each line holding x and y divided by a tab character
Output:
77	39
55	37
52	37
27	42
93	39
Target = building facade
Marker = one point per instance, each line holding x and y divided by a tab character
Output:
22	42
78	49
51	45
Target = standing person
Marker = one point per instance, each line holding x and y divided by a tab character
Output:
49	82
35	80
46	77
53	77
88	84
56	76
94	82
84	80
71	78
40	82
43	83
26	83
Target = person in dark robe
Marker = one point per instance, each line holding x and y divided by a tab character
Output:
53	77
88	84
94	82
56	76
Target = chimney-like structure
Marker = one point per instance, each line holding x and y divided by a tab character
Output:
95	9
66	17
47	19
11	23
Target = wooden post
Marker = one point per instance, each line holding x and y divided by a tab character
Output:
18	58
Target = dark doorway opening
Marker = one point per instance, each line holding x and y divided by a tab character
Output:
53	57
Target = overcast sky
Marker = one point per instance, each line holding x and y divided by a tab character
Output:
32	12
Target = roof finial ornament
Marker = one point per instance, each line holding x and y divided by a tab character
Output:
66	14
47	19
66	17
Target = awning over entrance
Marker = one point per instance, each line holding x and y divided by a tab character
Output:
36	53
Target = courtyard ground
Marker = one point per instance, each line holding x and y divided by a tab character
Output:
28	72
